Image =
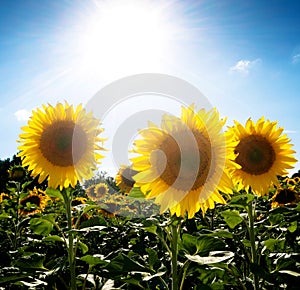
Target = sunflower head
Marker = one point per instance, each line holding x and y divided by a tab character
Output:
101	189
4	196
181	164
16	172
124	178
61	143
97	191
106	213
34	202
297	179
90	192
78	200
291	182
285	196
262	153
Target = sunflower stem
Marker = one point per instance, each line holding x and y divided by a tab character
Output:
70	245
175	228
18	185
250	210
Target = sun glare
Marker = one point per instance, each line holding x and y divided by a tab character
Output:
125	36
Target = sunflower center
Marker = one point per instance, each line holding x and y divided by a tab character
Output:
31	199
255	154
101	190
285	196
187	164
63	144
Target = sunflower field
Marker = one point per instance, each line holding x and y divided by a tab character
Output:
197	208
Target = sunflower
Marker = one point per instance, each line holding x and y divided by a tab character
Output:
78	200
4	196
101	189
263	153
124	178
96	191
34	202
60	143
182	163
285	196
90	192
106	213
16	172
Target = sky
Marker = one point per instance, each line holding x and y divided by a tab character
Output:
244	56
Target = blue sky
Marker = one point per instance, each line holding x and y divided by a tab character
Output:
244	56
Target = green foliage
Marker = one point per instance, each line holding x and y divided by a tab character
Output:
133	251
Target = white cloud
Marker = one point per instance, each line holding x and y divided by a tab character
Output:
22	115
296	58
243	66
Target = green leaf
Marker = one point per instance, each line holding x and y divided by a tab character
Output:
149	277
232	218
213	258
246	243
123	264
241	200
136	193
93	260
153	257
51	217
4	215
275	219
189	243
293	227
221	234
89	207
205	244
41	226
54	193
53	238
84	248
274	244
31	261
290	273
151	229
34	284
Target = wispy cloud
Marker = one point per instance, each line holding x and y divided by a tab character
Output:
22	115
244	66
296	58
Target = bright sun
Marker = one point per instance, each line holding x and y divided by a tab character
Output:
124	36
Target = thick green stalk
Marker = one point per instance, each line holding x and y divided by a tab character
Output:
70	246
174	258
250	211
18	185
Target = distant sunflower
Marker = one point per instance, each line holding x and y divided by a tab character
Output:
16	172
263	153
78	200
285	196
124	178
106	213
181	164
97	191
290	181
4	196
101	189
60	143
90	192
34	202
